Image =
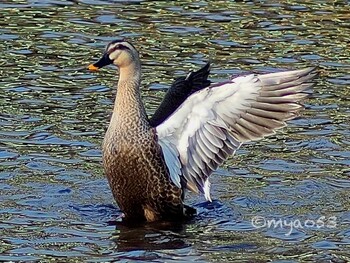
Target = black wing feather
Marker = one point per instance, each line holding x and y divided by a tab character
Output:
178	93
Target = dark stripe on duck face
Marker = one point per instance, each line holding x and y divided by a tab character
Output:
113	42
118	45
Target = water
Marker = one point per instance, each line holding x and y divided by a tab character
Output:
55	204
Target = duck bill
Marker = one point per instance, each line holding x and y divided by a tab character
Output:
104	61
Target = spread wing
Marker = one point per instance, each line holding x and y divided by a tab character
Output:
178	93
213	123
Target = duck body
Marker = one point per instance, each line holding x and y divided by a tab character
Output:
137	174
133	160
150	164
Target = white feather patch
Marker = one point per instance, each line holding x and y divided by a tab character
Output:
206	189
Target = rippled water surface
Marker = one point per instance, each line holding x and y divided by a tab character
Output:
55	204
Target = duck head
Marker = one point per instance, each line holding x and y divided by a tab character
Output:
118	52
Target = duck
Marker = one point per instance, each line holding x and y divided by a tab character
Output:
150	165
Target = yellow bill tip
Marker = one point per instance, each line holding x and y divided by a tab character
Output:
92	67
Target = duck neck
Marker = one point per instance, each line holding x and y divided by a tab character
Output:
129	111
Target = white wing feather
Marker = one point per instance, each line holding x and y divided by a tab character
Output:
213	123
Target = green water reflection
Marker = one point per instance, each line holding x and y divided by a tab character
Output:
54	200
